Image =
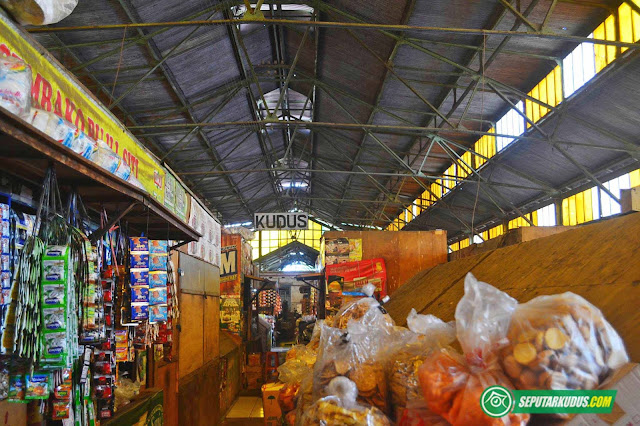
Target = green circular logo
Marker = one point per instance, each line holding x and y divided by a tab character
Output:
496	401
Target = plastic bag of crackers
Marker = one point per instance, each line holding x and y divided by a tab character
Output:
366	311
561	342
340	407
354	354
426	333
452	384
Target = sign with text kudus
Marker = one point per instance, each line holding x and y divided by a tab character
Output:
285	221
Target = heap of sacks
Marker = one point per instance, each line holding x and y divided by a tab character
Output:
362	369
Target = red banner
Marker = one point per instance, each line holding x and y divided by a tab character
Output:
350	277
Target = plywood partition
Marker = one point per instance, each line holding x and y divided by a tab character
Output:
600	262
404	253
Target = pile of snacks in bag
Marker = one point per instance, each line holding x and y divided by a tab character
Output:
340	407
15	85
361	369
551	342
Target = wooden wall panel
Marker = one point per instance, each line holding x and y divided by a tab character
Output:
599	262
404	253
198	396
191	333
211	328
165	376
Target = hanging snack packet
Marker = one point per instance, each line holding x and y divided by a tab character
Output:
17	389
158	313
140	294
158	262
139	261
158	279
54	345
55	319
139	277
53	294
139	311
54	270
60	410
452	384
561	342
38	386
158	246
158	296
139	244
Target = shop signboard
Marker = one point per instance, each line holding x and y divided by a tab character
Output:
282	221
342	250
230	266
207	247
231	314
347	279
55	90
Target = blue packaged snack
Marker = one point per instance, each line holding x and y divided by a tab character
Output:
157	279
139	261
158	246
140	277
139	244
158	313
140	294
6	280
139	311
158	262
158	296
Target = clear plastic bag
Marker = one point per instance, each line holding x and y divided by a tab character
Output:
353	353
299	363
340	407
64	132
39	12
15	85
561	342
407	355
452	384
366	311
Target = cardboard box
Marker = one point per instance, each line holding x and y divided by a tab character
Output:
255	360
626	409
272	412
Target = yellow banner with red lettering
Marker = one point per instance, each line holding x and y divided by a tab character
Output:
54	89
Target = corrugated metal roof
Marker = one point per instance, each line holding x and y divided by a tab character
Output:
216	73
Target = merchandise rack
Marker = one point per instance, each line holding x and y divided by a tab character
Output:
25	152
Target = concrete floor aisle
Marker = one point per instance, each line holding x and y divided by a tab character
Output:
247	410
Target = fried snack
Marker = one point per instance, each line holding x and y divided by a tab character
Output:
365	311
287	397
452	391
369	378
404	385
328	411
561	342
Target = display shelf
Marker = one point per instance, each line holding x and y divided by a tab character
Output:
25	152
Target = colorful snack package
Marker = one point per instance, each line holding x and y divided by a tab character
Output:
158	296
53	294
140	294
138	244
158	279
17	389
54	270
139	261
55	319
54	344
158	246
158	262
38	386
158	313
15	85
139	277
139	311
60	410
